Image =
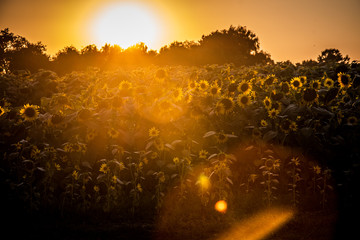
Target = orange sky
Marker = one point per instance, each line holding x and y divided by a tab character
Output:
287	29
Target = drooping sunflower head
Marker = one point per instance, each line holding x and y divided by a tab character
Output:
285	125
227	103
344	80
232	87
296	83
352	121
56	120
161	74
244	87
285	87
276	96
29	112
243	100
309	95
269	80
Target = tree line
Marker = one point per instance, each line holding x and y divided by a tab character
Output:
236	45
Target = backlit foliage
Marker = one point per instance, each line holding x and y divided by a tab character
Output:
126	140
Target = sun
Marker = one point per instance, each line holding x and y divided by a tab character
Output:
125	24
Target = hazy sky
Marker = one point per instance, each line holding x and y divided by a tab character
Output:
287	29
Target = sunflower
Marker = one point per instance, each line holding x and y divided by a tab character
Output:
276	96
232	87
263	123
277	106
219	108
273	113
293	126
161	74
352	121
153	132
203	85
203	154
244	87
125	85
56	120
328	82
177	94
303	79
2	111
309	96
90	135
243	100
214	89
221	137
256	133
315	84
227	103
192	85
296	83
29	112
344	80
113	133
267	102
285	125
285	87
104	168
272	164
270	79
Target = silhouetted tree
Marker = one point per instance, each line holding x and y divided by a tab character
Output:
67	60
17	53
332	55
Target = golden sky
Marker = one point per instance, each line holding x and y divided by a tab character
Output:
287	29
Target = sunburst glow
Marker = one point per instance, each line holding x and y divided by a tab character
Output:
125	24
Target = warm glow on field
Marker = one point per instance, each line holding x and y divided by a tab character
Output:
125	24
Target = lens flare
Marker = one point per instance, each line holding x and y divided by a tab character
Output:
221	206
260	225
204	182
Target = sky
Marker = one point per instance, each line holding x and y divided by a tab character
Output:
287	29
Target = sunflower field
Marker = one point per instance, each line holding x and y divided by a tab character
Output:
163	145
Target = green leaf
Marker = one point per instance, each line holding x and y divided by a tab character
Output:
208	134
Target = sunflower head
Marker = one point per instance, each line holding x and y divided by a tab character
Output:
56	120
243	100
309	95
273	113
244	87
221	137
227	103
267	102
232	87
315	84
203	85
29	112
161	74
214	90
271	79
154	132
285	125
285	87
296	83
344	80
329	83
352	121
